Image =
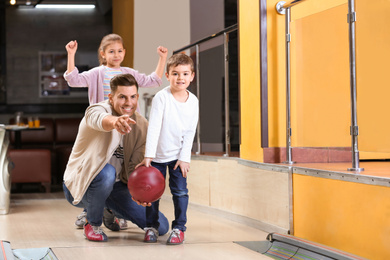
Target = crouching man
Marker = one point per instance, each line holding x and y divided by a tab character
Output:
109	144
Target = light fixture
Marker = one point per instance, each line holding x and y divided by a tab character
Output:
81	6
12	2
28	2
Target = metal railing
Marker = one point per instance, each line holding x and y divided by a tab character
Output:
225	34
283	7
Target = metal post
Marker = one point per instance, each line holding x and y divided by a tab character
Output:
198	95
146	98
288	89
352	64
227	108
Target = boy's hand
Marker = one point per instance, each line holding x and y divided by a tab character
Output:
71	47
146	161
184	167
162	51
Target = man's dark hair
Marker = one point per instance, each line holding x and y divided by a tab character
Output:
122	80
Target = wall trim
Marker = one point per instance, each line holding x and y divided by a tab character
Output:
308	154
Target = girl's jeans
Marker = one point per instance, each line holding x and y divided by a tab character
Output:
103	192
178	186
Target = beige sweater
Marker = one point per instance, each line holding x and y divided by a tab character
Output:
95	146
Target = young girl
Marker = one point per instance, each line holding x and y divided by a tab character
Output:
111	54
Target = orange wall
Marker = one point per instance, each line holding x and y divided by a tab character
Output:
123	24
372	63
321	113
320	77
352	217
249	64
276	76
349	216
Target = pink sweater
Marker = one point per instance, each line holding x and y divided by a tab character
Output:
93	80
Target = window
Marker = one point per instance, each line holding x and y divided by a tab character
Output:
52	66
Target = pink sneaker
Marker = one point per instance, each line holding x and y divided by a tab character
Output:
176	237
94	233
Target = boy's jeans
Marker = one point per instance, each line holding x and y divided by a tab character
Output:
178	186
103	192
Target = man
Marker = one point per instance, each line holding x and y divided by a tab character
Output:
109	144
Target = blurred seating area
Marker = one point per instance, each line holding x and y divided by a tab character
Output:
43	154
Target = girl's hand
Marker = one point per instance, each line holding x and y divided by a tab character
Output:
184	167
71	47
162	51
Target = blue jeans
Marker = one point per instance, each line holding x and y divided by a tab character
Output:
178	186
103	192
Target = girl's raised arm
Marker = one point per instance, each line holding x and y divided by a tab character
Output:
163	53
71	48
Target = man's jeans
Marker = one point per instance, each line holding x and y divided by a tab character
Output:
103	192
178	186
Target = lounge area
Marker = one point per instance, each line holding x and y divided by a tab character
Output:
42	155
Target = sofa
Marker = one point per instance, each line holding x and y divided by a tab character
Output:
44	153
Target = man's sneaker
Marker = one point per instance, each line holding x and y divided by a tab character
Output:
81	220
110	221
94	233
122	223
150	235
176	237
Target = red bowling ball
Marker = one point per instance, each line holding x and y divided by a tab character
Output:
146	184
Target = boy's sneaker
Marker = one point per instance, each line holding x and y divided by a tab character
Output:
176	237
94	233
150	235
81	220
110	221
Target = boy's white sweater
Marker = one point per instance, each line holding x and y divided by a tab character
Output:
172	127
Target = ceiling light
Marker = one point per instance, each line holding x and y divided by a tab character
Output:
65	6
12	2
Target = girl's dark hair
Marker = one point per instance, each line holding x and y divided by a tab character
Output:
122	80
107	40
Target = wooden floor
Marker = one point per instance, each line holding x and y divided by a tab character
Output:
47	220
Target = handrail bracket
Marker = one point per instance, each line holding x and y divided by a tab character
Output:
279	7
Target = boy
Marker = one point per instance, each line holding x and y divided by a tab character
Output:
172	126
